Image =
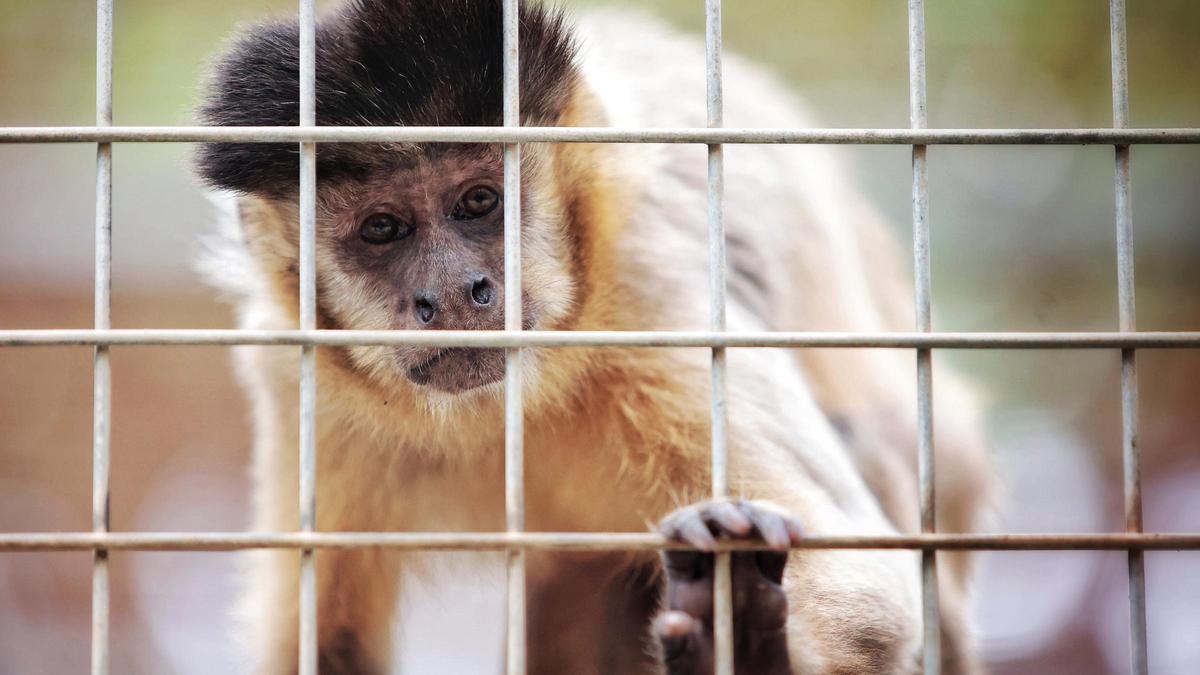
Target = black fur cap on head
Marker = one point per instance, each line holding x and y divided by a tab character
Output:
379	63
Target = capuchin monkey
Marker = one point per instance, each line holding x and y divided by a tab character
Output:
613	237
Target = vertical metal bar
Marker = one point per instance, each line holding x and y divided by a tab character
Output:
308	353
723	575
102	369
919	119
514	416
1131	455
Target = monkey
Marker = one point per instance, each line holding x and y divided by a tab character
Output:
613	237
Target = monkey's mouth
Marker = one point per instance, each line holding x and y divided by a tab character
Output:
459	369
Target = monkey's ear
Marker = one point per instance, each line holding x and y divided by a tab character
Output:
255	83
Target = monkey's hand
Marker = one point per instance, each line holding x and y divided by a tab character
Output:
685	629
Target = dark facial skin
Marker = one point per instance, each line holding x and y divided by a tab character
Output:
430	238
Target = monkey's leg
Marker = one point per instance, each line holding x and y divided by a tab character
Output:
269	611
356	597
356	588
588	613
760	607
958	652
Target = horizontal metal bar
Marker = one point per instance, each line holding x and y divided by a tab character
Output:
503	339
698	135
569	541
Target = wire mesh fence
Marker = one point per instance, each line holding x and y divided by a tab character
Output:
515	541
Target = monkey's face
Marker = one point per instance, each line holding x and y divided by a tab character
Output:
421	247
409	235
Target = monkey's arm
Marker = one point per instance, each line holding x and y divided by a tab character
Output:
845	611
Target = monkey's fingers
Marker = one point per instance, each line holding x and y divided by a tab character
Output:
689	583
728	517
689	526
759	603
698	525
778	528
686	646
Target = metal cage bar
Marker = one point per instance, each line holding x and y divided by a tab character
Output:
562	339
25	542
919	119
723	630
102	368
308	656
514	411
515	541
1131	455
694	135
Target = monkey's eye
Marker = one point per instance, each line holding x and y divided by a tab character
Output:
476	203
382	228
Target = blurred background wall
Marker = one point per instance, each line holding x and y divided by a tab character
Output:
1023	240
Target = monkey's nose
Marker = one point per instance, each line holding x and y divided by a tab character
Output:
425	307
482	291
